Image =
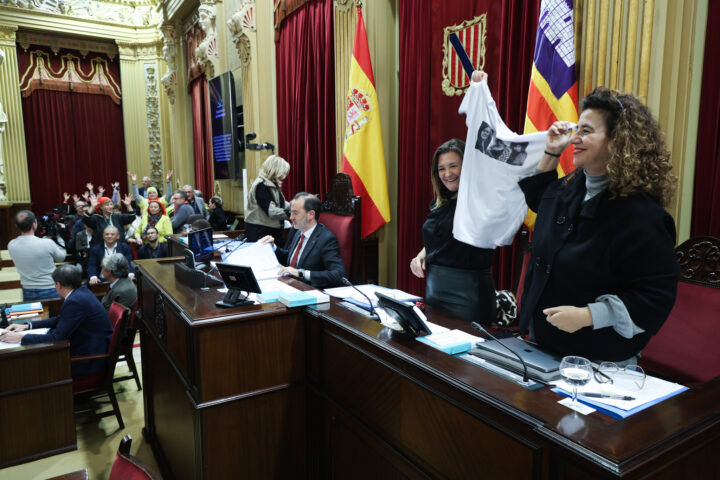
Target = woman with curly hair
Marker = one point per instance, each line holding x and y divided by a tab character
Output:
603	275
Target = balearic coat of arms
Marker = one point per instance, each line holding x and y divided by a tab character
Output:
472	35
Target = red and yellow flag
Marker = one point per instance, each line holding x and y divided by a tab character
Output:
553	93
363	157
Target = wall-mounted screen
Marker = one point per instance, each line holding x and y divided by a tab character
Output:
224	126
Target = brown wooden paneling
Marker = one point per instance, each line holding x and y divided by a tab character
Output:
36	421
250	355
263	436
428	429
173	416
352	452
36	403
177	338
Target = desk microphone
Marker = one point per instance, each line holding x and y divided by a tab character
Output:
348	283
480	328
205	288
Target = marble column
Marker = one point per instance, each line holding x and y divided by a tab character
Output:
14	180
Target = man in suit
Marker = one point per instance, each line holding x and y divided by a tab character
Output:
82	320
109	246
115	269
195	201
312	254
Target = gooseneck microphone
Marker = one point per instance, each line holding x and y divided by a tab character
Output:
205	288
480	328
348	283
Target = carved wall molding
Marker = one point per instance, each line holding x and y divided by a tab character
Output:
56	42
344	5
3	122
241	24
125	12
152	110
152	49
699	260
207	49
169	80
7	33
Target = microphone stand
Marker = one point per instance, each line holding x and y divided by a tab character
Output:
348	283
480	328
205	288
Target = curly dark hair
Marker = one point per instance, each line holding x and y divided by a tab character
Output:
639	160
442	194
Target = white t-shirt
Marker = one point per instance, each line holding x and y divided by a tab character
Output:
490	206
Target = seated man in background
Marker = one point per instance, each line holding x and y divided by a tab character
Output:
109	246
115	269
182	211
82	320
34	258
195	201
153	248
313	253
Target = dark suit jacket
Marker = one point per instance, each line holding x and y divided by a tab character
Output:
321	257
146	251
581	250
84	322
124	291
97	253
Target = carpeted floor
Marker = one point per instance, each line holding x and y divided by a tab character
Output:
97	442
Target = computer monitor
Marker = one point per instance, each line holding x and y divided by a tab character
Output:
200	242
404	314
238	279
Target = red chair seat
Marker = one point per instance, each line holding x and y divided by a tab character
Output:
685	348
88	382
342	227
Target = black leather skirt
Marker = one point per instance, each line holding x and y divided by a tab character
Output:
466	293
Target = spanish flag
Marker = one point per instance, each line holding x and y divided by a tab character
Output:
363	157
553	91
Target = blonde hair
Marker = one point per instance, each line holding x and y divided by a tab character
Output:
274	168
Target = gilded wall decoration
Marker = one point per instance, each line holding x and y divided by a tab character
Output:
240	24
3	122
152	111
207	48
472	34
134	14
170	54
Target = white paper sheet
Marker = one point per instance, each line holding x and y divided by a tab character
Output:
258	256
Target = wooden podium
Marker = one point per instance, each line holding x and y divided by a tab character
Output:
269	392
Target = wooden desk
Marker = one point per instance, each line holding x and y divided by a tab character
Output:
269	392
36	403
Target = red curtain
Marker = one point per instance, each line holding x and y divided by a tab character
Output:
71	139
202	135
427	117
306	98
706	202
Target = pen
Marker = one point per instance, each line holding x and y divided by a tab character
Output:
602	395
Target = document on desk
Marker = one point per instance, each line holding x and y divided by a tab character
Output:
351	295
258	256
616	396
34	331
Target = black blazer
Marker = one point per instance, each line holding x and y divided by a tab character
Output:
321	256
581	250
97	253
82	320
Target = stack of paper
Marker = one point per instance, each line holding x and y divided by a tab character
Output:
24	310
349	294
258	256
653	391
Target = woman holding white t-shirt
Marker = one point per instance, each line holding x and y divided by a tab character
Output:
458	275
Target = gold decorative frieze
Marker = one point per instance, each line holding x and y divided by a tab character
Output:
55	42
152	49
138	14
7	34
343	5
240	25
152	112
